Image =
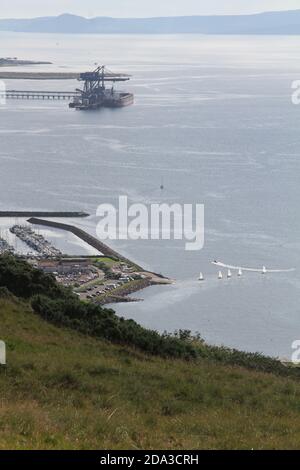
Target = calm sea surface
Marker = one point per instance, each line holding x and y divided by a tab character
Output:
213	117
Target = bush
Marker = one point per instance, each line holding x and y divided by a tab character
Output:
104	323
5	294
59	305
24	281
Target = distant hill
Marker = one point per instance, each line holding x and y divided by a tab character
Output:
283	22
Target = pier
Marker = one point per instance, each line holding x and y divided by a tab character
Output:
93	95
40	95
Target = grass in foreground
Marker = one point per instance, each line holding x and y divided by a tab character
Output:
63	390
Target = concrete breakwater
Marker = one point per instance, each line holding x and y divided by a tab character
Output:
84	236
42	214
120	294
10	75
13	61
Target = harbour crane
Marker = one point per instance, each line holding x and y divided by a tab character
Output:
94	93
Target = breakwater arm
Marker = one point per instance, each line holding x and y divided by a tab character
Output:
42	214
38	75
86	237
8	61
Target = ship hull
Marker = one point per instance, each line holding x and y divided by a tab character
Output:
124	99
117	100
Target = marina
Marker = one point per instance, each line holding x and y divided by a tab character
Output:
84	236
35	242
5	247
103	277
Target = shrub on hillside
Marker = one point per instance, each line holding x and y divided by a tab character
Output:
24	281
5	294
104	323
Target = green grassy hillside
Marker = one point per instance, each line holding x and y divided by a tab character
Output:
64	390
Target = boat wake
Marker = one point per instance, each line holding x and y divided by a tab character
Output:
254	270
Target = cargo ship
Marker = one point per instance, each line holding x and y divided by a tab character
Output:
95	94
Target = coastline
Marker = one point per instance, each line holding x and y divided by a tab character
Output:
120	294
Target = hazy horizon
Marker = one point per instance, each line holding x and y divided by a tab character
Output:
66	13
141	8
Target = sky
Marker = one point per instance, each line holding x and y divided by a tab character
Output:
139	8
